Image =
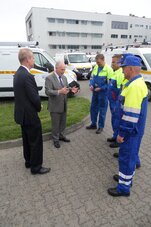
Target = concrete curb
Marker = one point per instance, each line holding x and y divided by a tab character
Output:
47	136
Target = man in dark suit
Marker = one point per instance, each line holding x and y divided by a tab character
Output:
57	88
27	106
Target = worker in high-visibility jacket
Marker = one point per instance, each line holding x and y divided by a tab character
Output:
116	120
114	89
132	124
99	87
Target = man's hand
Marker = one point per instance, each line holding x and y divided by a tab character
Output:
97	89
63	91
42	107
74	89
120	139
91	88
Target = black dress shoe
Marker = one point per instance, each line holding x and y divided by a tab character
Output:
91	127
111	140
115	193
64	139
116	155
56	144
42	170
99	130
114	145
116	177
27	165
138	166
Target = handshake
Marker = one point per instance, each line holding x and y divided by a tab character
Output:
66	90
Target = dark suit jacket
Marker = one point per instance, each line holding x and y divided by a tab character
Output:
27	100
57	103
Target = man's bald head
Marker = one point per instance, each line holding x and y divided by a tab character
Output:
26	57
60	68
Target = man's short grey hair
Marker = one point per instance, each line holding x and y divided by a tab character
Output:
58	63
23	54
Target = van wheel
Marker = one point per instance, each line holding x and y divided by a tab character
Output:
149	91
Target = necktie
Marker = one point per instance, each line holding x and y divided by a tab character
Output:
62	85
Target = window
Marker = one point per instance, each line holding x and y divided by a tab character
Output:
53	46
75	47
73	34
95	35
51	20
141	25
146	26
123	36
84	22
85	47
30	24
78	58
131	25
97	23
61	46
135	36
136	25
96	47
72	22
61	33
130	36
119	25
140	36
114	36
61	21
42	63
52	33
83	34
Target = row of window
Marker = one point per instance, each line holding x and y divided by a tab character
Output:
124	25
75	34
141	26
74	47
71	21
115	36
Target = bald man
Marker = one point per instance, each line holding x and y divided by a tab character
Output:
57	88
27	106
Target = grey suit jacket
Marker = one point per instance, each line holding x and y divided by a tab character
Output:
57	103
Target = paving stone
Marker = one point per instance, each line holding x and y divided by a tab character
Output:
74	193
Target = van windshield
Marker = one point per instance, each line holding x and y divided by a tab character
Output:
78	58
49	58
148	58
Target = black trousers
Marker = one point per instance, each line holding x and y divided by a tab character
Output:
33	145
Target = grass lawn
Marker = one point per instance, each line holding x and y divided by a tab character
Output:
78	108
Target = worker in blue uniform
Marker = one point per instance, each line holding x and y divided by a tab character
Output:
114	89
138	162
99	86
133	114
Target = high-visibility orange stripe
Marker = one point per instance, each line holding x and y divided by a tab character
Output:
33	71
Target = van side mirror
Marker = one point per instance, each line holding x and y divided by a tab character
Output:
66	62
50	68
144	67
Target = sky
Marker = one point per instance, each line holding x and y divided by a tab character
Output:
13	12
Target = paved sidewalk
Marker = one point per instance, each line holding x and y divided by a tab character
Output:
74	193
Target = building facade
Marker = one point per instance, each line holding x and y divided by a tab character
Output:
64	30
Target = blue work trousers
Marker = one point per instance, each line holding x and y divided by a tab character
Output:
98	108
128	158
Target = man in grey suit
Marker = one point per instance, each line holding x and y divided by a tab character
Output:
57	88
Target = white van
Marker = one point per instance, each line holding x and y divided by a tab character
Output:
144	53
77	62
44	64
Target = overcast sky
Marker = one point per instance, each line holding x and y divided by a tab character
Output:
13	12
